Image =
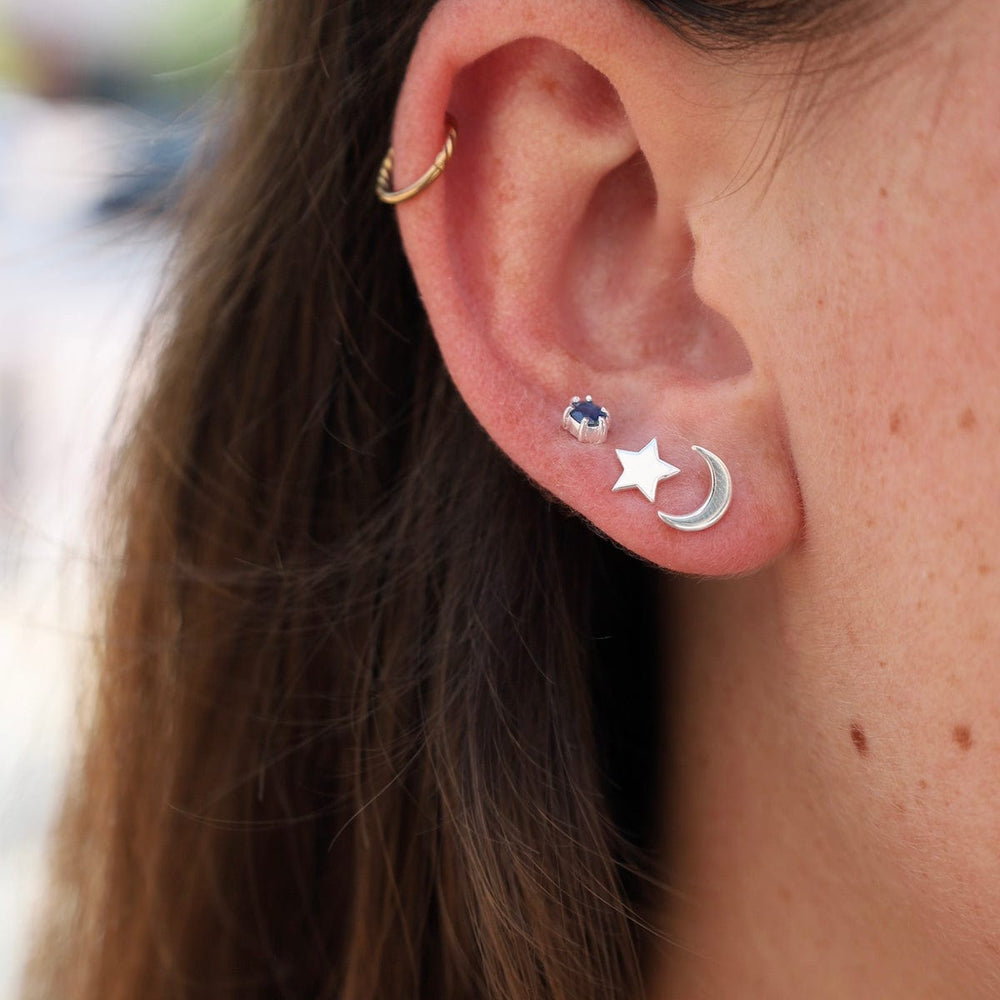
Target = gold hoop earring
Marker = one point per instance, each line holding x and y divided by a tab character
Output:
383	186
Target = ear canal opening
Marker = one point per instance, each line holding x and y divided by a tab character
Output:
628	285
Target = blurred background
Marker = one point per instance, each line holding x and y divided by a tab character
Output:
102	103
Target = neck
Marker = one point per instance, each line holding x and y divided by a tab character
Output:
783	879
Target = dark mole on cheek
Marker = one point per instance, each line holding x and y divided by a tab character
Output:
859	739
967	420
962	735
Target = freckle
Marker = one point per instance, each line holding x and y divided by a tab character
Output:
820	303
967	420
869	522
900	808
859	739
883	192
896	421
960	524
504	193
962	735
984	569
921	784
549	84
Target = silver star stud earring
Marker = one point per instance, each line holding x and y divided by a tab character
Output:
643	470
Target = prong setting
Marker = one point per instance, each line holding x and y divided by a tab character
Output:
587	421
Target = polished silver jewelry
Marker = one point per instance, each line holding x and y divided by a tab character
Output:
719	496
643	470
586	421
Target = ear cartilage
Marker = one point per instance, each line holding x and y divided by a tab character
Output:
586	420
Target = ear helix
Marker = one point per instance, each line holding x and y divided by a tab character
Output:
586	420
644	470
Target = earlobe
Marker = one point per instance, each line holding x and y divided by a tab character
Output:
555	257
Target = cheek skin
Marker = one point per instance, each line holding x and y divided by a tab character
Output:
882	307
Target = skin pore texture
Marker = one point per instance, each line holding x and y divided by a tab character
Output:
836	722
797	272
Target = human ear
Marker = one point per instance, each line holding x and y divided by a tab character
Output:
561	254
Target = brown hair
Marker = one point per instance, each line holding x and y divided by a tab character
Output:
344	744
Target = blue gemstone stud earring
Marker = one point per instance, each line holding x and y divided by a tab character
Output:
586	421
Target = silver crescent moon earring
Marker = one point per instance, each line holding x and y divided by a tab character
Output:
643	470
719	496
